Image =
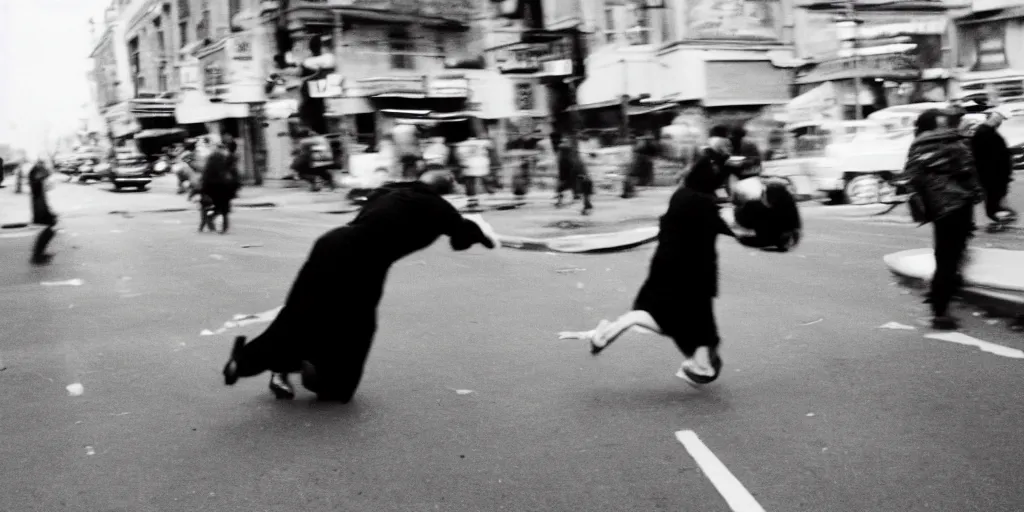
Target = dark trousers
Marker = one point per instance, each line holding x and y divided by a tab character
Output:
952	233
995	194
580	186
43	240
310	175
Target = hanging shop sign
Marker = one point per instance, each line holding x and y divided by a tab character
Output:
230	71
991	41
330	86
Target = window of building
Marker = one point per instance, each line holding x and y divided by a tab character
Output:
133	60
401	50
183	32
161	46
162	85
184	13
639	20
609	25
183	9
234	7
203	27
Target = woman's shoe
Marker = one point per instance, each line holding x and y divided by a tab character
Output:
231	369
280	387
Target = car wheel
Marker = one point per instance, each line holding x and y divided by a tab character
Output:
140	188
863	189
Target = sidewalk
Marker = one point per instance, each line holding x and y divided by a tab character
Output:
994	278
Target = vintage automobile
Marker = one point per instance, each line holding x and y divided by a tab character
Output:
130	169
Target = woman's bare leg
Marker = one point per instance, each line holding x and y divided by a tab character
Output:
607	332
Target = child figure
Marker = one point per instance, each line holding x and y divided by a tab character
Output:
677	299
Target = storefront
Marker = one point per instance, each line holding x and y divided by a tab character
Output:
222	92
991	52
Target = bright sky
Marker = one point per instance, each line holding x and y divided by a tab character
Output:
44	47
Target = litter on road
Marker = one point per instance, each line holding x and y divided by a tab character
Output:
69	282
89	450
75	389
463	391
217	257
818	321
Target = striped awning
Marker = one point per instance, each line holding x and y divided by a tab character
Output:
152	107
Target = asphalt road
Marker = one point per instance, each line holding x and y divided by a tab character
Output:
818	408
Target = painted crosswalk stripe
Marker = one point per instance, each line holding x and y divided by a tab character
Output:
728	486
984	346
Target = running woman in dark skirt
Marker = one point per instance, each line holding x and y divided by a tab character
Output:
327	324
677	299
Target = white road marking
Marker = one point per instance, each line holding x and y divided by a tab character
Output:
19	235
985	346
69	282
898	326
737	496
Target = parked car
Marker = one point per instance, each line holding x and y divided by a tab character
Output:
130	169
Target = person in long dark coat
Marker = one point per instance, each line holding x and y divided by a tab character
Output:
343	279
42	215
220	184
677	299
994	162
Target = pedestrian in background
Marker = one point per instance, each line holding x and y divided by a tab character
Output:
220	184
994	162
941	173
42	215
641	169
572	175
476	169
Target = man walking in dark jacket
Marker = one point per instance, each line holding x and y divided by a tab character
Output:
994	162
41	213
572	175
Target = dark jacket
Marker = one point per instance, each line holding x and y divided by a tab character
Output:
220	177
570	165
940	169
751	166
992	157
41	213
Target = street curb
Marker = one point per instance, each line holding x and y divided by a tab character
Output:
1000	302
552	244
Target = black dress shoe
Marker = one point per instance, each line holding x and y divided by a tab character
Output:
280	387
42	259
231	369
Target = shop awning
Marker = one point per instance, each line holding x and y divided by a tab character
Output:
196	108
152	107
160	132
977	18
594	106
928	27
651	109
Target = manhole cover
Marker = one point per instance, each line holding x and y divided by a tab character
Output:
570	224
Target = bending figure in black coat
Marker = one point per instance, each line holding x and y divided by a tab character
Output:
344	276
677	299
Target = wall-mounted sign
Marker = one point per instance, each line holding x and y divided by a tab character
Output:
530	57
331	86
231	71
734	19
190	75
392	85
448	88
524	97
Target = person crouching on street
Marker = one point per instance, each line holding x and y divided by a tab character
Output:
677	298
941	172
41	213
994	162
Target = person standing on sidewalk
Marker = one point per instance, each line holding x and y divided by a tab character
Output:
573	176
941	172
994	162
41	213
476	169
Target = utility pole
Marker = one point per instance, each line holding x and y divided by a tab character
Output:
851	17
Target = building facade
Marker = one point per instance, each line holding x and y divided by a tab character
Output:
990	51
689	58
889	53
